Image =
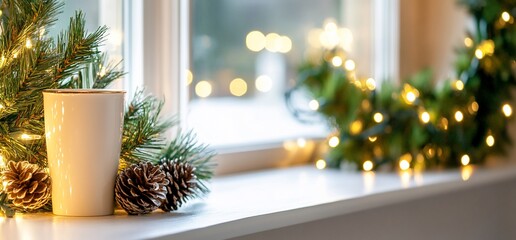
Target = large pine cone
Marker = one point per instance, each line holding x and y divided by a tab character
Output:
140	188
27	185
181	186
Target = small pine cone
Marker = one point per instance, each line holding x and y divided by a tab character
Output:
27	185
140	188
181	186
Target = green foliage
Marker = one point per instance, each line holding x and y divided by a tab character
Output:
78	49
464	114
143	135
186	149
31	61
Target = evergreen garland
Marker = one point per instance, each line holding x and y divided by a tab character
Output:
418	125
31	61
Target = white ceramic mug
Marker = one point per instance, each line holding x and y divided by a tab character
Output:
83	129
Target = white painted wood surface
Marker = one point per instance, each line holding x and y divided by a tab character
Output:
254	202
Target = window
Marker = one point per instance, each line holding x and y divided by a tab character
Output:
170	44
172	47
259	42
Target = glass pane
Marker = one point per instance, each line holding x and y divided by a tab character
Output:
259	42
245	55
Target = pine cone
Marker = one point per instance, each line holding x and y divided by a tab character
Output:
140	188
181	186
27	185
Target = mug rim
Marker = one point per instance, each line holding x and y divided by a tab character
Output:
83	91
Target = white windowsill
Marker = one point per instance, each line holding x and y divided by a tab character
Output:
254	202
253	122
260	134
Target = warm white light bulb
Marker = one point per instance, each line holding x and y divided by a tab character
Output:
371	84
349	65
333	141
368	165
320	164
263	83
474	106
203	89
28	43
356	127
459	116
313	105
378	117
459	85
25	136
507	110
425	117
464	160
506	17
404	164
479	54
255	41
411	97
273	42
336	61
468	42
490	140
238	87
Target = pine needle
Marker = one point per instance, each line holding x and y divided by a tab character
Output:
186	149
143	135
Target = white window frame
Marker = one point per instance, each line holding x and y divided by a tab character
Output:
157	41
158	50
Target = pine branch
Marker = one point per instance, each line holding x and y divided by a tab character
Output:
26	56
142	137
99	73
104	72
77	49
20	14
29	63
22	21
36	78
186	149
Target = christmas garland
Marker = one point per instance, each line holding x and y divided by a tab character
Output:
418	125
31	61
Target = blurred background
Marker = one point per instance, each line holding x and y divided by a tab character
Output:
240	56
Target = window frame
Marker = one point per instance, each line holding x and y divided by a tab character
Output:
157	49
